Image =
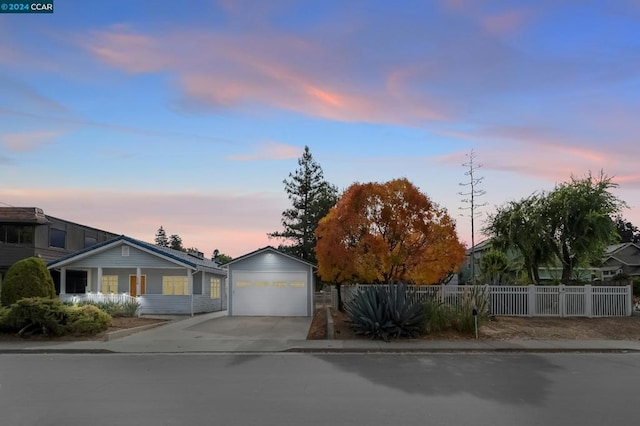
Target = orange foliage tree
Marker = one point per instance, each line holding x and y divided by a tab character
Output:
387	233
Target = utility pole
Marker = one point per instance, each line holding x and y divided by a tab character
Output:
470	198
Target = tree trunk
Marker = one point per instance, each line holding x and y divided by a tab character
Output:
567	265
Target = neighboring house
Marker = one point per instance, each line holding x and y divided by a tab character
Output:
164	280
475	255
621	259
617	259
268	282
27	232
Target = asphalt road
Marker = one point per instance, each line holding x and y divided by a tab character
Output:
306	389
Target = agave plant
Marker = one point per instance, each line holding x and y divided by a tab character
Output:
368	313
383	312
406	314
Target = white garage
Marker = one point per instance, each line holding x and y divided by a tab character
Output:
268	282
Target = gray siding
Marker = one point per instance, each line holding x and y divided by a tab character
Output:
154	302
75	240
268	261
158	304
11	253
114	258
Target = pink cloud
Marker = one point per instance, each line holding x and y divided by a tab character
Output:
30	141
234	224
269	151
275	70
543	153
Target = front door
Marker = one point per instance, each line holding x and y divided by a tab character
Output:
132	285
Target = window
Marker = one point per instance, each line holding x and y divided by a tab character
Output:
57	238
125	251
175	286
215	288
16	234
109	284
90	240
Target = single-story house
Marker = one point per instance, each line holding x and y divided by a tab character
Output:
162	280
268	282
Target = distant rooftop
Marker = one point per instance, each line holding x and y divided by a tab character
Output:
22	215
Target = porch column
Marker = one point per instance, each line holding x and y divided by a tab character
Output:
190	285
138	280
63	280
99	278
202	288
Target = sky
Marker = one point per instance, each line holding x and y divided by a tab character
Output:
129	115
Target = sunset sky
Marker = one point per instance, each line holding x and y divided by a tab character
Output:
127	115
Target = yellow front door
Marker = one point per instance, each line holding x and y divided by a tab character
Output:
132	285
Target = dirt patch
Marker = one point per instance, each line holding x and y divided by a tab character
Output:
117	324
318	328
511	328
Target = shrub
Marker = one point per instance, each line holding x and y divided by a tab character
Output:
441	317
27	278
114	309
39	315
384	311
87	319
36	315
3	315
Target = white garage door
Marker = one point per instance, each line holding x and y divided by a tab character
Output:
282	294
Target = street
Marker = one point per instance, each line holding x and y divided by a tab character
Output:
319	389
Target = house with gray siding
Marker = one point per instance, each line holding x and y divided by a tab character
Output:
621	259
162	280
267	282
28	232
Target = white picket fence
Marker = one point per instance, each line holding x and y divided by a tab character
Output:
528	301
322	299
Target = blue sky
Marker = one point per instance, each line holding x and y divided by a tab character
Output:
128	115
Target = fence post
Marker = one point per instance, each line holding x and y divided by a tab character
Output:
561	299
334	297
442	299
531	300
629	300
588	301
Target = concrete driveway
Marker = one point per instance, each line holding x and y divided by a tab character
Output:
254	328
214	332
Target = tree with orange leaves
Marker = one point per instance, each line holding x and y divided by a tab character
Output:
387	233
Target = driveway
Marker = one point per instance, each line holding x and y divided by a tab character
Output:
217	332
254	328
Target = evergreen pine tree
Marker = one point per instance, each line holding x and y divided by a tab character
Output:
311	198
161	238
175	242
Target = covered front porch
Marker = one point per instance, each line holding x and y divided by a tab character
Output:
158	291
161	280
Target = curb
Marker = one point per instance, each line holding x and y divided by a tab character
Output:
129	331
41	351
459	350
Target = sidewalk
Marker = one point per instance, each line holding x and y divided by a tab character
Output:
178	336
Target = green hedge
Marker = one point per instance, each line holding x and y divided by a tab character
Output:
53	318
